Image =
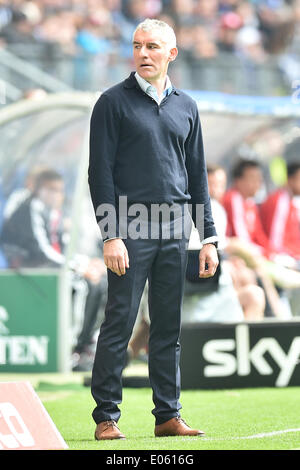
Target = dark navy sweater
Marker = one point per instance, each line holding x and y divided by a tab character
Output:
148	152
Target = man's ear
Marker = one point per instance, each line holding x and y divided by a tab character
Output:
173	54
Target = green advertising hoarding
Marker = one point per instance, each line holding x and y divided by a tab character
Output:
29	321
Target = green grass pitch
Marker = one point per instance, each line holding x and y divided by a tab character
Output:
244	419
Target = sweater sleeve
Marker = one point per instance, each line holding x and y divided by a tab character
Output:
197	181
104	139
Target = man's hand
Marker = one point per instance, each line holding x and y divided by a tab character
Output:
208	260
115	256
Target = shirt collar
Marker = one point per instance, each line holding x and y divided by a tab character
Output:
145	86
131	82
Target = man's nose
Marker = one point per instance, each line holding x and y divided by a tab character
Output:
143	51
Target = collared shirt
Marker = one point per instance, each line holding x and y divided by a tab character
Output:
151	90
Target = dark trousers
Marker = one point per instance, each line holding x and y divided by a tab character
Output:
163	263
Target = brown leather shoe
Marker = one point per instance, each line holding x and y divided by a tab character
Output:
176	427
108	430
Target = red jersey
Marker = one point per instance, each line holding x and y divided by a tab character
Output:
281	222
244	221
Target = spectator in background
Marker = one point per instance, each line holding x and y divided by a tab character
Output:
217	182
93	35
206	11
249	45
18	31
58	28
281	218
230	24
134	11
250	295
248	238
276	24
235	295
33	236
289	58
34	228
242	212
207	20
185	38
204	45
32	10
182	13
18	196
95	46
246	10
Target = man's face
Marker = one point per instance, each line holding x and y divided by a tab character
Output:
151	54
217	184
250	182
294	183
52	194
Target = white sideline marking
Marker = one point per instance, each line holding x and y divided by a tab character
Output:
254	436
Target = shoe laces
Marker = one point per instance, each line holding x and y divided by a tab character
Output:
111	423
181	420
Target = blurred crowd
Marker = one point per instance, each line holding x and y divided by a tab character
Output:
251	30
259	245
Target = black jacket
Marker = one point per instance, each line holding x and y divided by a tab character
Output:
26	239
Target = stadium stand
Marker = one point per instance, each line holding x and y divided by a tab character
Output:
228	45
